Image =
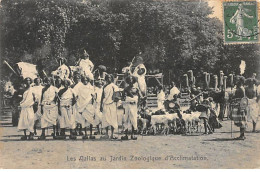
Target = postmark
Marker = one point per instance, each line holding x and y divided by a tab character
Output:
241	22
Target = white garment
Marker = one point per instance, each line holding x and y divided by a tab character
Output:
160	100
68	116
253	110
258	90
173	91
37	90
84	106
141	78
97	112
86	66
50	109
98	93
26	120
108	93
79	117
131	113
109	107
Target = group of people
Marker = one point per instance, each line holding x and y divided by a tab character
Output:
239	102
81	97
63	102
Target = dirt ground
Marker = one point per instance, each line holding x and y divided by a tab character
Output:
218	150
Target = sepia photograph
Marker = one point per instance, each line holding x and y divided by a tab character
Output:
129	84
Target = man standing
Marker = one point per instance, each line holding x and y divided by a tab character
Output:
108	107
98	95
84	105
26	120
239	115
131	94
66	101
253	107
174	91
49	107
138	70
58	84
85	64
37	90
160	97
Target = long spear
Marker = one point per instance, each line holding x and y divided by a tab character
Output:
5	62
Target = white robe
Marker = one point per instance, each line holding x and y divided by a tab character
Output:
86	66
98	114
253	110
109	107
68	116
50	108
84	106
173	92
160	100
130	112
79	118
37	90
141	78
26	120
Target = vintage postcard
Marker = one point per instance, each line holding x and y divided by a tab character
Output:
129	84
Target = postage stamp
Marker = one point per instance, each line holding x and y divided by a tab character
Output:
240	22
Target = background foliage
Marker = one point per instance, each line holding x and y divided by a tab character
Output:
173	36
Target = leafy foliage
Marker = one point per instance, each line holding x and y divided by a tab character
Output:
173	36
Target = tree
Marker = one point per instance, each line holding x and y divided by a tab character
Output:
173	36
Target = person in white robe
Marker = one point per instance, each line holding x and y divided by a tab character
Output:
59	86
253	106
174	91
160	98
137	69
108	107
85	64
37	90
131	94
79	118
49	108
67	119
98	95
84	106
26	120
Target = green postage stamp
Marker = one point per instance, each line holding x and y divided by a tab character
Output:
240	22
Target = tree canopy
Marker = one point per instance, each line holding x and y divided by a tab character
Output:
173	36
